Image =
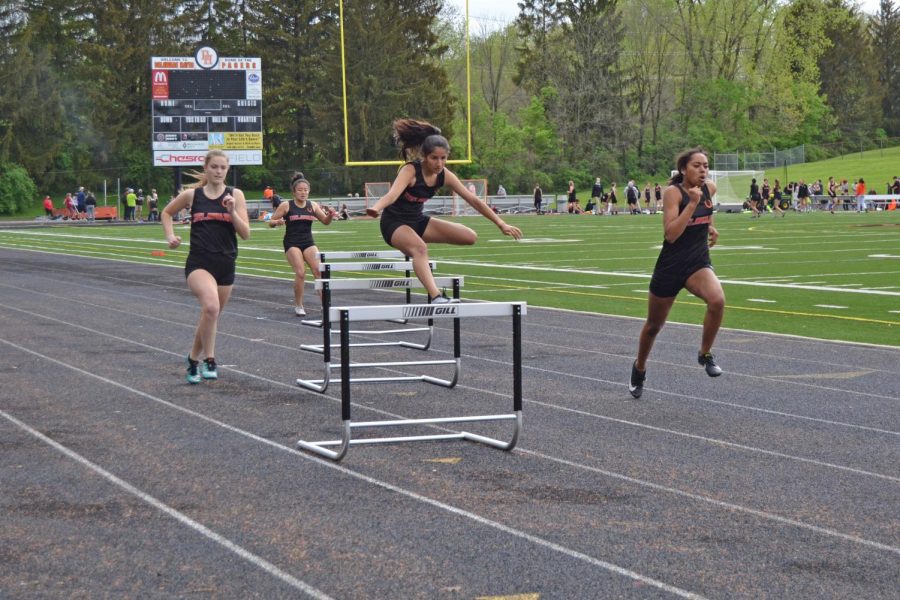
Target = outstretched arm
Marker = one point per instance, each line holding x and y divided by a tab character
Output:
324	216
453	182
405	178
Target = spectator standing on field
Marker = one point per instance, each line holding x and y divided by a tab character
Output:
612	201
632	194
538	198
153	206
139	204
48	207
90	204
130	204
596	194
861	196
79	200
70	206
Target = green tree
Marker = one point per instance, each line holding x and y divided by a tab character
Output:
17	190
536	24
885	27
849	72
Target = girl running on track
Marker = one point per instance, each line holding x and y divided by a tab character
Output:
684	263
297	216
403	222
218	212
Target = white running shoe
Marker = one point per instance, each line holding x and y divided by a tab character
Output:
299	311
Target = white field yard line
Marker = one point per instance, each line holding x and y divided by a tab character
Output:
833	288
647	276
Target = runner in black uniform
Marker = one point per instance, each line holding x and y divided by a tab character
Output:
218	215
298	216
404	224
684	263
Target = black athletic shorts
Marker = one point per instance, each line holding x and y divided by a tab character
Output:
668	282
302	244
390	224
220	266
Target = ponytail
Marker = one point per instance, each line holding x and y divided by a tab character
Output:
416	138
298	178
200	176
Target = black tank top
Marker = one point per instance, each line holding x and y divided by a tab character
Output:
298	223
693	244
411	202
211	228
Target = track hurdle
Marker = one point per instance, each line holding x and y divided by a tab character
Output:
325	348
348	315
326	286
326	269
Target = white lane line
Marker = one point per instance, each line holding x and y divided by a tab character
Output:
652	485
762	300
543	269
327	463
175	514
556	347
792	286
829	306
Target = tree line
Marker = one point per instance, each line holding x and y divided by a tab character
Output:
572	89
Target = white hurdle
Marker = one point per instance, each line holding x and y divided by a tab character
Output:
347	315
325	348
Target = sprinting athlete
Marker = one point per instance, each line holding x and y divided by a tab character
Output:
684	263
403	223
218	216
297	216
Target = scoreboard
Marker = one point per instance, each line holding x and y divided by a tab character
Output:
206	102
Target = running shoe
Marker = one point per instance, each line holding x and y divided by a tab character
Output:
636	384
299	311
193	370
442	299
208	369
709	363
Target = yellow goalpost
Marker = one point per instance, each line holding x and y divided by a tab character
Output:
378	163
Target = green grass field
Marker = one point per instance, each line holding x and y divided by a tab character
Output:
818	275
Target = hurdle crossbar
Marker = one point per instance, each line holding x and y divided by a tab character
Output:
378	254
328	315
326	269
347	315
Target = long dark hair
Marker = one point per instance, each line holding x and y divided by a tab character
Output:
681	162
415	138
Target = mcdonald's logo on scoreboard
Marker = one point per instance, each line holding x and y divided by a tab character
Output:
160	84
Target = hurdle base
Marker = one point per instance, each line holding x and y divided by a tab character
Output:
321	447
320	348
320	385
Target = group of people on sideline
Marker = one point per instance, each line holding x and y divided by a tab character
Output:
603	202
78	206
801	197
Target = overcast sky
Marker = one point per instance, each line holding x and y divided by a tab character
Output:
496	13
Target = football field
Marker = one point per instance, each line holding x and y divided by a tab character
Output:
834	277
